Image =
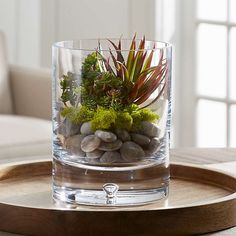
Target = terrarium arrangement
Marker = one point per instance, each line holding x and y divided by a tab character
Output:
111	120
107	115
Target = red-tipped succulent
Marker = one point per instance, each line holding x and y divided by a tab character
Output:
140	77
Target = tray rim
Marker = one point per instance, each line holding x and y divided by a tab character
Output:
217	201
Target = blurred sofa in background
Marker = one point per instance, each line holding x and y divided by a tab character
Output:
25	109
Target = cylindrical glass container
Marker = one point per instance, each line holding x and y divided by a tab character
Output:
111	121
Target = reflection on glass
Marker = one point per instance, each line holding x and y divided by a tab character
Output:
212	9
211	60
211	124
232	63
233	126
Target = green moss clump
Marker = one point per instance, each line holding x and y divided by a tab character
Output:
70	112
136	119
103	119
148	115
124	120
143	114
78	115
108	118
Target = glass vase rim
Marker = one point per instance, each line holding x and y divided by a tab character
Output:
59	44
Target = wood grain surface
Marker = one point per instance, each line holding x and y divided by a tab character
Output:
203	155
189	155
200	200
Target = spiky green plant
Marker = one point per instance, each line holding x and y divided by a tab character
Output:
139	77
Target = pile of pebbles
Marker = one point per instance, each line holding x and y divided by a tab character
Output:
114	147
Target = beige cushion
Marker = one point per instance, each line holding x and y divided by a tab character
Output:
24	138
31	91
5	94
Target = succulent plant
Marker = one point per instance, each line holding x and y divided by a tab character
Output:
139	77
115	94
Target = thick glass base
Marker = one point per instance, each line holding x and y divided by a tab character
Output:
135	184
101	198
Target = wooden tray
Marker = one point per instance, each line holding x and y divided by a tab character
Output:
201	200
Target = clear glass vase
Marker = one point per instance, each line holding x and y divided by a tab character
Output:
111	121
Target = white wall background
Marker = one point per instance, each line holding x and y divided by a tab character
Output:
19	20
32	26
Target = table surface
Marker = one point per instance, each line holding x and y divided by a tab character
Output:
219	158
